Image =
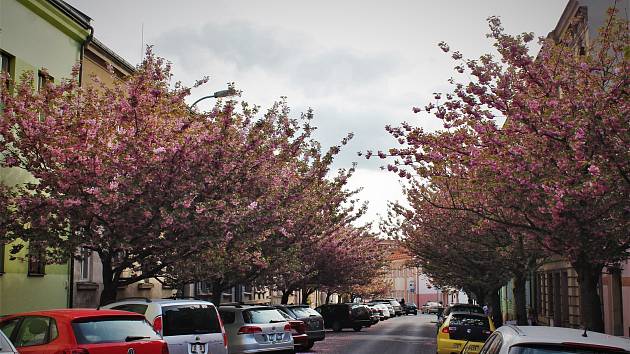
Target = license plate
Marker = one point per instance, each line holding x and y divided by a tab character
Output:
198	348
471	348
279	337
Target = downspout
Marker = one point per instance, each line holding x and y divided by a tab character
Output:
71	270
82	53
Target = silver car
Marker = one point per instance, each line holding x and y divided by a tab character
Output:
187	326
256	329
6	347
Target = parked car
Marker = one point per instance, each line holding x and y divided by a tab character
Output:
6	347
80	331
411	309
470	308
432	307
187	325
256	329
467	308
551	340
313	320
340	316
384	310
463	329
395	304
374	317
378	311
390	308
298	331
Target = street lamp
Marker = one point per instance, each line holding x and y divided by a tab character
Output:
223	93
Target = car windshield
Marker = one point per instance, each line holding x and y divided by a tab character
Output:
394	303
470	321
112	330
304	311
262	315
190	319
564	349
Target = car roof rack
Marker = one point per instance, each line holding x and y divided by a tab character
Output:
235	304
181	298
146	299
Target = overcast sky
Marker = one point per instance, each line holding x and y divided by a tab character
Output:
359	64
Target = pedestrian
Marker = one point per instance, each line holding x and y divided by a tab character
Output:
402	302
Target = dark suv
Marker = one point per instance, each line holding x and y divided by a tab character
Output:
313	320
340	316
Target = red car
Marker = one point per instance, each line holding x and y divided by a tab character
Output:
82	331
298	331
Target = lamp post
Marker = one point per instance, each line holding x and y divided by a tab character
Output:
223	93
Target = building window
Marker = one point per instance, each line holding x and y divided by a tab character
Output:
5	60
85	264
43	78
37	264
5	64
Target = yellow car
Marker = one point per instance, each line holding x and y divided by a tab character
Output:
463	332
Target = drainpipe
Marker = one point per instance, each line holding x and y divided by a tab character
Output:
83	46
71	270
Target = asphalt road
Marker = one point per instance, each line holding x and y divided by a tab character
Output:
399	335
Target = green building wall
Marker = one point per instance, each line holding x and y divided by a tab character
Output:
36	35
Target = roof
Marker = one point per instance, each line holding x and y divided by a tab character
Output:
115	58
564	20
559	335
78	16
72	314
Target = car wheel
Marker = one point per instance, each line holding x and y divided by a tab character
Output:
309	345
336	326
357	328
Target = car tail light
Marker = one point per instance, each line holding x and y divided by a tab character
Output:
157	324
165	348
287	327
298	327
446	330
76	351
225	338
251	330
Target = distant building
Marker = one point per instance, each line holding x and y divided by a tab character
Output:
36	35
411	284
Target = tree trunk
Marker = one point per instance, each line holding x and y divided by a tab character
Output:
590	302
305	294
495	303
285	296
328	294
110	287
217	292
520	298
